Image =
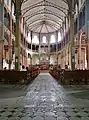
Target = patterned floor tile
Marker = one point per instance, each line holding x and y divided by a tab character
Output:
47	100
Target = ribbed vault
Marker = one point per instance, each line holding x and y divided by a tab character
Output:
45	15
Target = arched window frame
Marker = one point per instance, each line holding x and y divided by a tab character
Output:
52	39
35	39
59	37
44	40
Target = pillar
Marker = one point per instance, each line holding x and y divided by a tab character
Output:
31	48
39	46
10	42
18	34
79	41
31	61
87	28
2	35
25	56
65	56
48	38
80	51
57	47
72	36
65	42
59	60
69	43
68	54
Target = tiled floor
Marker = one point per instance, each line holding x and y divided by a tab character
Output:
46	100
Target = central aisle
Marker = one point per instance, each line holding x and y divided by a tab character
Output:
47	100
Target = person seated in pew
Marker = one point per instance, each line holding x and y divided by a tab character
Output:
59	68
5	68
23	68
62	75
51	67
27	68
66	68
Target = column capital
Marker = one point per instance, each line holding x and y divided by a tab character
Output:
72	12
18	12
17	8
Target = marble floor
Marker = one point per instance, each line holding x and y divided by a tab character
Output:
45	99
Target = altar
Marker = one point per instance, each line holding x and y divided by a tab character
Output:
44	64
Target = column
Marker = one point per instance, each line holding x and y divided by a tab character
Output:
80	51
57	47
79	41
68	44
25	56
2	35
10	42
65	42
65	56
72	37
39	46
31	48
18	34
48	38
61	59
68	55
85	59
87	28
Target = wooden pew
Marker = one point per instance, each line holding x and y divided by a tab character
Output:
71	77
18	77
81	76
14	77
75	77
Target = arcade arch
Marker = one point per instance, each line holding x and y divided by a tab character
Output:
53	59
35	59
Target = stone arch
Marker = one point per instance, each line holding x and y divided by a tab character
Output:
28	58
35	59
53	59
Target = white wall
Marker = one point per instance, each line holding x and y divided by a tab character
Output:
35	60
53	59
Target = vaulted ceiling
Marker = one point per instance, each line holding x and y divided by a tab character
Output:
45	15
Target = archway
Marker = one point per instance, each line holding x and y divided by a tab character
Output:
53	59
29	59
59	58
35	59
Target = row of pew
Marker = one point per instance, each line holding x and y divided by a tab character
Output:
18	77
76	77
